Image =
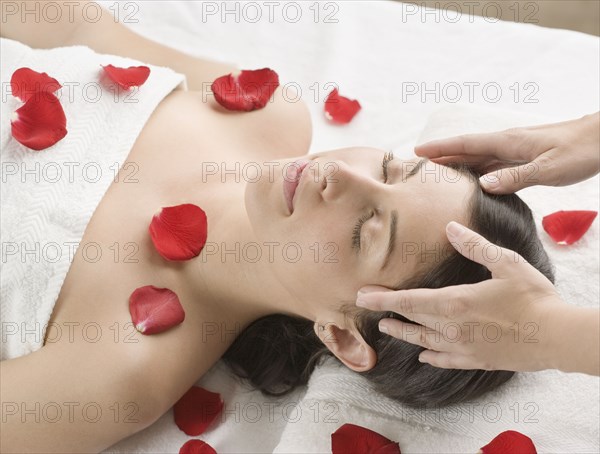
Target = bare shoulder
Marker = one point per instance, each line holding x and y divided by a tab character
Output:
194	120
283	127
291	124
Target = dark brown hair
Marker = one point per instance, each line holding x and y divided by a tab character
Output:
277	353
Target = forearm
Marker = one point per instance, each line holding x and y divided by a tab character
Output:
117	39
577	340
103	35
27	22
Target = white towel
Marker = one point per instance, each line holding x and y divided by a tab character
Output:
48	197
558	411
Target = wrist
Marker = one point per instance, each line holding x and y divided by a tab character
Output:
554	345
573	344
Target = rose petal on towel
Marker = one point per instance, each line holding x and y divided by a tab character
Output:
179	232
566	227
340	109
510	441
353	438
196	447
25	82
134	76
154	310
40	122
197	410
390	448
250	90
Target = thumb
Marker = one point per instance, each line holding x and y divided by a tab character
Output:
510	179
373	288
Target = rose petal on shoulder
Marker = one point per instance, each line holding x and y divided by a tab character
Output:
154	310
248	91
179	232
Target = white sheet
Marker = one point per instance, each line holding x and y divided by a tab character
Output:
375	52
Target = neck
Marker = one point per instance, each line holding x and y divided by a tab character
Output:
232	274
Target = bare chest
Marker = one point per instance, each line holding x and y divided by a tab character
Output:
181	149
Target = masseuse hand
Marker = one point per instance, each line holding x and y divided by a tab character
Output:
514	321
552	155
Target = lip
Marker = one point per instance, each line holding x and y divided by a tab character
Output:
290	186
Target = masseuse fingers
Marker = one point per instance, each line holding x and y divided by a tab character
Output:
448	360
447	302
481	164
509	144
500	261
413	334
476	162
509	181
542	170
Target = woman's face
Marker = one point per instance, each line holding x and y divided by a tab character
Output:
337	238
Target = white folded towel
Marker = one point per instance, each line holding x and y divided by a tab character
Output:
49	196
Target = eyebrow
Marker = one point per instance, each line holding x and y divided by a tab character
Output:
394	219
392	241
416	169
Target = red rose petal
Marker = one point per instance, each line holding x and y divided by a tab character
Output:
154	310
179	232
196	447
340	109
40	122
352	438
566	227
134	76
197	410
25	82
251	90
512	442
391	448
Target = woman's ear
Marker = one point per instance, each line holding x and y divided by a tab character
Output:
347	345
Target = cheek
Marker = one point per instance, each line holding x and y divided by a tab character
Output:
313	264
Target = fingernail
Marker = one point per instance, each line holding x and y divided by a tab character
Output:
489	181
421	359
383	328
360	301
454	229
367	289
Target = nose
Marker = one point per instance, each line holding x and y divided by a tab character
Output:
342	182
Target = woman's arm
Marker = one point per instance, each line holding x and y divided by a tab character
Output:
104	36
578	349
73	398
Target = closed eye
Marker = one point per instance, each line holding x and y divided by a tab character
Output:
356	232
358	229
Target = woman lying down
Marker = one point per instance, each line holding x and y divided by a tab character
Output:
271	319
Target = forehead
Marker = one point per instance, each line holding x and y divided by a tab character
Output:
426	201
